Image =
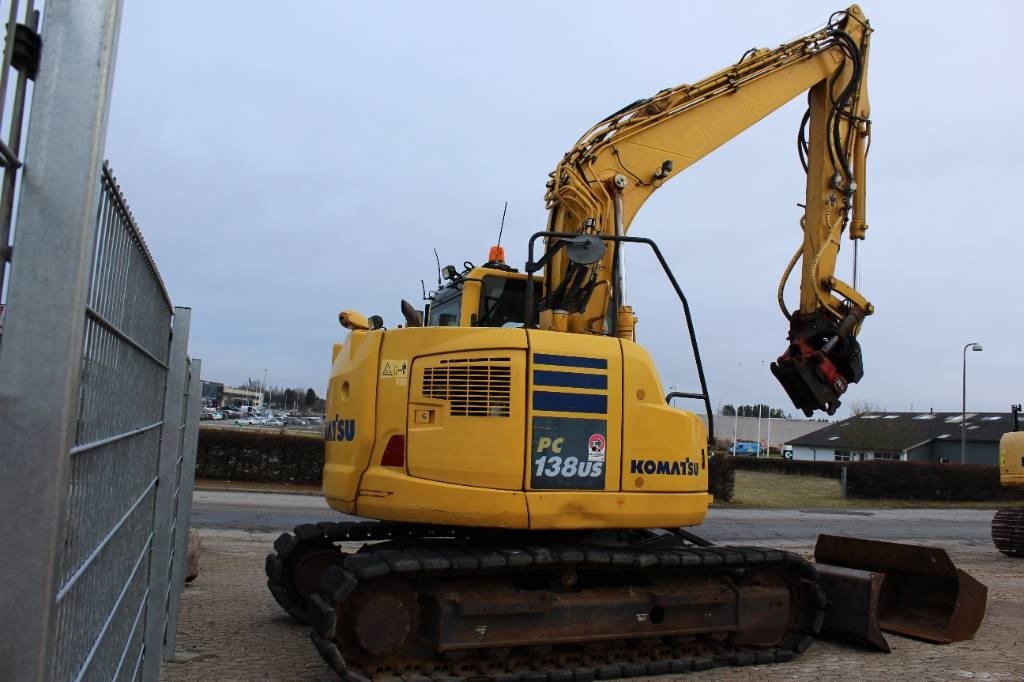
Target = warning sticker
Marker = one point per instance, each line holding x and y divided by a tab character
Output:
390	369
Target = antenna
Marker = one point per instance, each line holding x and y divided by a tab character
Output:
438	259
502	228
423	287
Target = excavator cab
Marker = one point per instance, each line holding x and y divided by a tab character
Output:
491	295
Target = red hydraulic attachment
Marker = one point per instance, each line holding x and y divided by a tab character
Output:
822	360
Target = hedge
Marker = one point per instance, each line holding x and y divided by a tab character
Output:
242	455
722	477
881	479
799	467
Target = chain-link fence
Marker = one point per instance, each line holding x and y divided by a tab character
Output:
99	401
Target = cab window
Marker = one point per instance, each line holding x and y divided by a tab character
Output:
445	313
502	302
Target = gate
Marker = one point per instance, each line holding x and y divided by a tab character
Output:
99	401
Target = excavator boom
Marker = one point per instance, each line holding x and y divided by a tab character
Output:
604	180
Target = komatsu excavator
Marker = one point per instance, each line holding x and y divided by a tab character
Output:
527	486
1008	524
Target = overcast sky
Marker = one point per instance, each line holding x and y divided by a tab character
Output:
286	161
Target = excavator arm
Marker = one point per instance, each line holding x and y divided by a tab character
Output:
601	184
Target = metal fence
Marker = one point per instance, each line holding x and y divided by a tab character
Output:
22	48
99	401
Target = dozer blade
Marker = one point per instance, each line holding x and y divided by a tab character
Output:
923	594
852	598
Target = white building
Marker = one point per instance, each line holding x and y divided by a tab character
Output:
239	397
906	436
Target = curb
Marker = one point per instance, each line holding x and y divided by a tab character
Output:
224	489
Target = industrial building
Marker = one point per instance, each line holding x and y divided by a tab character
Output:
906	436
775	432
216	394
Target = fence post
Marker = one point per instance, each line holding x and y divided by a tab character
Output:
170	444
41	353
190	440
842	483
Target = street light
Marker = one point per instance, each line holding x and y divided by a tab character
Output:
760	400
963	412
736	412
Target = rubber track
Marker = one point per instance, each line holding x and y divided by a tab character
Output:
339	581
312	533
1008	531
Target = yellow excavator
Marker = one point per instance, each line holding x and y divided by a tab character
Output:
525	483
1008	524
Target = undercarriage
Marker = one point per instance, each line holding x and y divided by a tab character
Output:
1008	531
454	603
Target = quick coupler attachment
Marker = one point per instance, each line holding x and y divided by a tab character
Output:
822	360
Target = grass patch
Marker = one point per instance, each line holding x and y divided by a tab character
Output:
781	491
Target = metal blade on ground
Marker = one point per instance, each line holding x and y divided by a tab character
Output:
924	595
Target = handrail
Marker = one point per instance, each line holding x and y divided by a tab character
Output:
529	313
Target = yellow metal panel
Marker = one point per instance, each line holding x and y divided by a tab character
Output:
1013	481
466	416
401	347
350	430
574	429
389	494
1011	459
470	298
343	506
412	342
664	449
369	389
550	510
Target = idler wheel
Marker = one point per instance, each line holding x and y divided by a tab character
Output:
385	617
310	565
568	577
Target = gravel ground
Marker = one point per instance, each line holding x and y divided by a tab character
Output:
231	629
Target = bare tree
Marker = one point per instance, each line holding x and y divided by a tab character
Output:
859	407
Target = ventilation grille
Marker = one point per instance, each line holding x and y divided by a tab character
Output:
473	387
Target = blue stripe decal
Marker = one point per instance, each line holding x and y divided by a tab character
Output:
570	361
570	402
543	377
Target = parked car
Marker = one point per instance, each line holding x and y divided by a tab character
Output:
216	416
746	448
247	421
